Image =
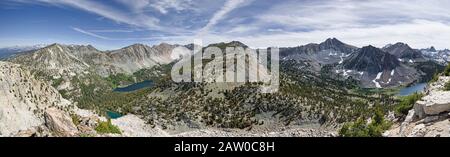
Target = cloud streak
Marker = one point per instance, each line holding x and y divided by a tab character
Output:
229	6
269	22
106	11
90	33
148	38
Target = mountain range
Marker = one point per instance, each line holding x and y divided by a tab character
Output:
390	66
64	60
319	85
442	56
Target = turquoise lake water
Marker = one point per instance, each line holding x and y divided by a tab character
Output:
413	89
136	86
113	115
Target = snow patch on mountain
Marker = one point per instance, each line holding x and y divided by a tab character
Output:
377	84
342	58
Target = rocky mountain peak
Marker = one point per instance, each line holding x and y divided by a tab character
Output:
223	45
164	46
54	46
400	44
133	49
372	60
237	44
91	47
432	49
86	48
403	51
191	46
397	46
369	48
332	41
337	45
387	46
373	52
136	46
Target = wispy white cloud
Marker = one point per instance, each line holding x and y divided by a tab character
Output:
336	14
229	6
418	34
162	6
273	23
147	38
106	11
178	5
135	5
90	33
376	22
112	30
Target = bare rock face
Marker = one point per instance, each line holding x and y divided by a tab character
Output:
23	99
60	123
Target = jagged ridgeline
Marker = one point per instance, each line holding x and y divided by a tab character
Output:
310	90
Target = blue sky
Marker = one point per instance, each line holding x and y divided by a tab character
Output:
111	24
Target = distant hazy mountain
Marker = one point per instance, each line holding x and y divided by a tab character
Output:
442	56
9	51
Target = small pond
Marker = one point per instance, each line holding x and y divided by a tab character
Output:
113	115
420	87
136	86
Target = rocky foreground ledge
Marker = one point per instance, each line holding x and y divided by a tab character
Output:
430	116
59	124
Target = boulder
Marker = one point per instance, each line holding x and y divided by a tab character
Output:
438	106
410	116
433	104
59	123
418	109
